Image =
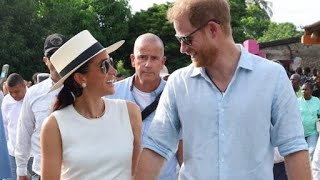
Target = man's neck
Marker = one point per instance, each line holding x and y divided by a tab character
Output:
146	86
224	68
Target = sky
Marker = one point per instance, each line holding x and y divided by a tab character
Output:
298	12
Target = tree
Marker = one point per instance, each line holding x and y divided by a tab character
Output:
238	11
25	25
255	22
154	20
265	5
280	31
20	40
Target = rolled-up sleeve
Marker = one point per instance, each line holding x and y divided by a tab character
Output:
163	134
287	131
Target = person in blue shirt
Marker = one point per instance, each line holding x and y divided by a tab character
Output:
146	85
5	170
233	107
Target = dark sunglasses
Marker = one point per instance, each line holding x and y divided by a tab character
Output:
105	64
188	39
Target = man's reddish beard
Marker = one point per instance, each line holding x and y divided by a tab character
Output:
205	56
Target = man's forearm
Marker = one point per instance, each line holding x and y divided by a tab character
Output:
298	166
23	178
149	165
22	155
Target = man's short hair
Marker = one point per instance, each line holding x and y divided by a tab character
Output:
200	12
14	79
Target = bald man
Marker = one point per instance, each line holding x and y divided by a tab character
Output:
146	85
295	80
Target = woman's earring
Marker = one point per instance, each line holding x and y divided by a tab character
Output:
83	85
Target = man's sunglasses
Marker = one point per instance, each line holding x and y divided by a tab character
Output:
105	64
188	39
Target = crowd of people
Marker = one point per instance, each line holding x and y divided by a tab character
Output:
225	116
307	88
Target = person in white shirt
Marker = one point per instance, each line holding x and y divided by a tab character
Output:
36	107
10	107
1	97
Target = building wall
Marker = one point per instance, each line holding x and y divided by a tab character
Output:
309	54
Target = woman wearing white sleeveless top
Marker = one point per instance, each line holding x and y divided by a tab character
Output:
87	137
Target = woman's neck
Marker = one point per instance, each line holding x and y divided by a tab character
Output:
89	108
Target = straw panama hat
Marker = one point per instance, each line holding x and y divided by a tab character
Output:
75	52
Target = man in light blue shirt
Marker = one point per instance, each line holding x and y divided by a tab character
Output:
5	170
233	107
145	85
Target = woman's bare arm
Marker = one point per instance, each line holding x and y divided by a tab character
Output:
136	121
51	150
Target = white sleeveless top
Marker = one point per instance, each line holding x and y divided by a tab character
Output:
98	148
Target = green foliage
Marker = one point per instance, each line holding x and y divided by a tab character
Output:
265	5
279	31
122	70
20	37
26	23
153	20
256	22
238	11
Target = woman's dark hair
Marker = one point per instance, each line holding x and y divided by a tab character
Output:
71	89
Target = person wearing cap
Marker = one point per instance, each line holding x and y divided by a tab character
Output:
35	108
233	107
146	85
87	136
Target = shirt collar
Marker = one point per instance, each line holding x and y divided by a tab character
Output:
245	62
157	91
49	83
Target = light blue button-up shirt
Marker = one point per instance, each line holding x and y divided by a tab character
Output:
231	135
5	170
123	90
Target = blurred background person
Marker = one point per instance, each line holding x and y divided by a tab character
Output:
36	106
310	110
295	81
316	87
11	106
5	169
164	73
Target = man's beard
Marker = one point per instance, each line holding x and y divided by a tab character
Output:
206	57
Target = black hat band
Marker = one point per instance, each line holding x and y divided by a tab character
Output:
92	50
